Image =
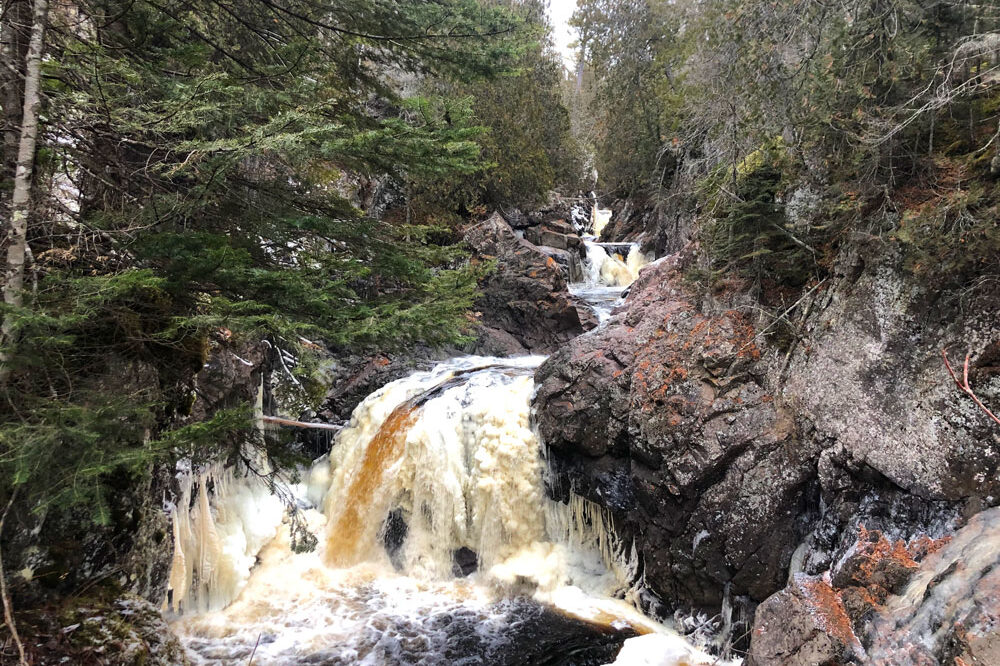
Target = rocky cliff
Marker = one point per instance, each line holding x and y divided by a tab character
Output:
746	463
524	303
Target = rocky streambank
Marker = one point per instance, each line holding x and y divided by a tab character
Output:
524	304
810	478
826	493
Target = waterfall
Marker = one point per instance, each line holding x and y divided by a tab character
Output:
433	515
460	468
599	219
611	269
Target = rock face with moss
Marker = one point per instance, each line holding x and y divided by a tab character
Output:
662	417
125	631
736	457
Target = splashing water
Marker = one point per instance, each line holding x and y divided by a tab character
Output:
606	275
612	269
599	219
434	471
953	593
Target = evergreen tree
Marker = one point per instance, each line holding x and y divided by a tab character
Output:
527	147
185	184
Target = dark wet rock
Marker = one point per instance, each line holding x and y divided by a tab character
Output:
925	602
229	378
353	377
588	317
867	597
569	262
516	632
526	295
875	563
393	533
516	219
661	417
465	562
498	342
127	631
559	214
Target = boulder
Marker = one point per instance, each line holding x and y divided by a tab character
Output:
559	238
806	623
870	378
526	295
661	417
569	262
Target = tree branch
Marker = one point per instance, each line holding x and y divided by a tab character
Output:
964	384
8	613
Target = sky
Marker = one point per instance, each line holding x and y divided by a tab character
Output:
559	13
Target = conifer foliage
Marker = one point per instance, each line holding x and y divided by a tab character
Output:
778	129
186	183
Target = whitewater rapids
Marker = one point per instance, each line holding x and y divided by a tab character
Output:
433	471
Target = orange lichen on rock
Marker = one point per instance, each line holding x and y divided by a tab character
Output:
921	546
877	549
828	609
877	567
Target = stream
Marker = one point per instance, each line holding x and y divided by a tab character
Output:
435	542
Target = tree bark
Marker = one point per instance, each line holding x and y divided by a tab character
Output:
14	36
17	233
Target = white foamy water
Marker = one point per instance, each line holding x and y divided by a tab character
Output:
451	456
602	299
606	276
612	269
599	219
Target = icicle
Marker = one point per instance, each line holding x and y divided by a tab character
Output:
216	541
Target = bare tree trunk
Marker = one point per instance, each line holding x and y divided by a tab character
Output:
8	612
581	59
17	234
14	36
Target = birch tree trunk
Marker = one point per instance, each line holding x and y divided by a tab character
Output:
17	233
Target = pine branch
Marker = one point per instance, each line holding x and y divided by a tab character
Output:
388	38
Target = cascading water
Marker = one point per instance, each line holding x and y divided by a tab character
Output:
608	268
436	473
599	219
611	268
